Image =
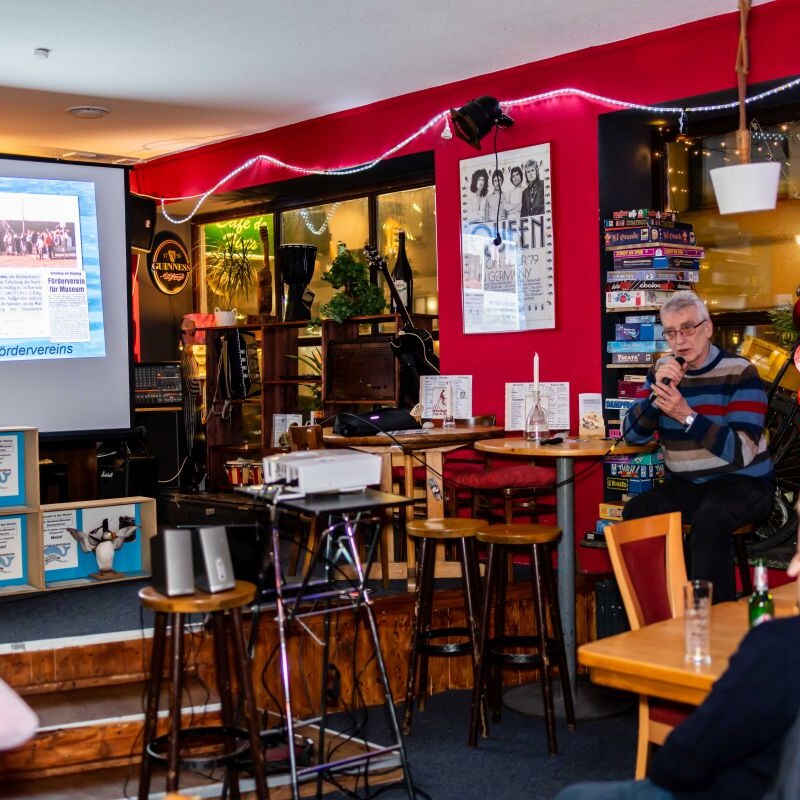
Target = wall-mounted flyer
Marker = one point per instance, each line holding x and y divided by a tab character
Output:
12	469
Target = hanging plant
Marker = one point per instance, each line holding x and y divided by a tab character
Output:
358	297
229	271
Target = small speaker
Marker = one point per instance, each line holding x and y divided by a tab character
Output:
171	561
213	569
141	222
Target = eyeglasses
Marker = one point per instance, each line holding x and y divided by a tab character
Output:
685	330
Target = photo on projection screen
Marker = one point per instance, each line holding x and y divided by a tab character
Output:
64	310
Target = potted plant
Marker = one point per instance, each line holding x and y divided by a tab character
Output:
784	323
312	360
358	297
231	273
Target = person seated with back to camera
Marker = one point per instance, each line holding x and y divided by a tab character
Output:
743	741
709	407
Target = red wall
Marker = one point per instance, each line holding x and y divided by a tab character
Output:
680	62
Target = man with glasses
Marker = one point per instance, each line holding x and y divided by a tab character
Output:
708	407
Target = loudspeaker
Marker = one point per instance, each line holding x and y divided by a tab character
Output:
171	561
163	436
123	475
251	555
213	570
141	213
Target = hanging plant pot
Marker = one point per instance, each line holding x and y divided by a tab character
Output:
746	187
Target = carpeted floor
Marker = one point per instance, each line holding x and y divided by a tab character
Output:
513	764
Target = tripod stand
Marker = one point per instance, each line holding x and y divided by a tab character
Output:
322	598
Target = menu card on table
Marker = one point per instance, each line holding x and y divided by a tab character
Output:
555	399
436	390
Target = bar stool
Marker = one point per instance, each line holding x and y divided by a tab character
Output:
461	533
740	552
545	648
218	745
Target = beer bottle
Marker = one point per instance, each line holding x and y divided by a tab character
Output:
761	606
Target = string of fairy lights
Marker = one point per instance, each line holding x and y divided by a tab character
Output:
682	114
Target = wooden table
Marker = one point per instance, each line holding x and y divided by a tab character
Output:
564	455
426	447
650	660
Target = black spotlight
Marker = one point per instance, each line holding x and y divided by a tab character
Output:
474	120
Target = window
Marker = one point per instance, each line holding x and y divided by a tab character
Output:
752	260
325	226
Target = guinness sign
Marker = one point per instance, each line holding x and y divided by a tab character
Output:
168	264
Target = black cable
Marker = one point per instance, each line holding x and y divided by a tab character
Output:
453	482
497	239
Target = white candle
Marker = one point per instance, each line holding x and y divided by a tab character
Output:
448	400
536	373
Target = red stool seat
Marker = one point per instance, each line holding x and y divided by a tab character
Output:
518	477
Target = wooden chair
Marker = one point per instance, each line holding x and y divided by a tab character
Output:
649	565
493	488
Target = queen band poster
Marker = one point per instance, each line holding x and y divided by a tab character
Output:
507	241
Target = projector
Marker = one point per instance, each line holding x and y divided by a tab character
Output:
314	471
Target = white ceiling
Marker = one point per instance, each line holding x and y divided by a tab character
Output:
178	74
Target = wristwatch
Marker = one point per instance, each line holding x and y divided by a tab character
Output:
690	418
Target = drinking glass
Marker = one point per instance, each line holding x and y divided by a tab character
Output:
697	621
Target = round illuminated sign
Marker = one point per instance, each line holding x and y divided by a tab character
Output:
169	265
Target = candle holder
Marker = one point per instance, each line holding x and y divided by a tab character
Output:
536	425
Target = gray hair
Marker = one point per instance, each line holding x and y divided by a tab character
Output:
680	301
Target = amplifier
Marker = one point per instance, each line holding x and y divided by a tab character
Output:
157	383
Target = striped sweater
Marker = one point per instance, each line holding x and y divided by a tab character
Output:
727	436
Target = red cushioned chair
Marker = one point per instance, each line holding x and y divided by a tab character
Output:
506	491
648	560
465	460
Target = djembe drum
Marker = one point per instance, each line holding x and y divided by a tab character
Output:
297	269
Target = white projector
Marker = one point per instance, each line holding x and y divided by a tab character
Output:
314	471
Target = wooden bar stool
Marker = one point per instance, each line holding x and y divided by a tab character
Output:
461	533
545	648
206	747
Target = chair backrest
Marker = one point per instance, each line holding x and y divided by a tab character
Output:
483	421
649	565
306	437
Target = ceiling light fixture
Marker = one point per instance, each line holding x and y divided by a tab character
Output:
88	112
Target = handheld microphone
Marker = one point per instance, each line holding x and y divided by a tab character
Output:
680	360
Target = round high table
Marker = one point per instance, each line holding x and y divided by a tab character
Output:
427	447
564	455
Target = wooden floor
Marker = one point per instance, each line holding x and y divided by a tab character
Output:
123	782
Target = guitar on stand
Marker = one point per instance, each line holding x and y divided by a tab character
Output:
412	346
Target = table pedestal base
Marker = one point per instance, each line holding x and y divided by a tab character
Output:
591	701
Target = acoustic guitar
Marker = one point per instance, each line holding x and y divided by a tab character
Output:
411	345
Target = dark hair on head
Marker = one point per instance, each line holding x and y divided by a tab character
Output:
480	173
498	174
518	170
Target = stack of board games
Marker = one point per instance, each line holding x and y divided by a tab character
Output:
637	343
654	256
624	476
